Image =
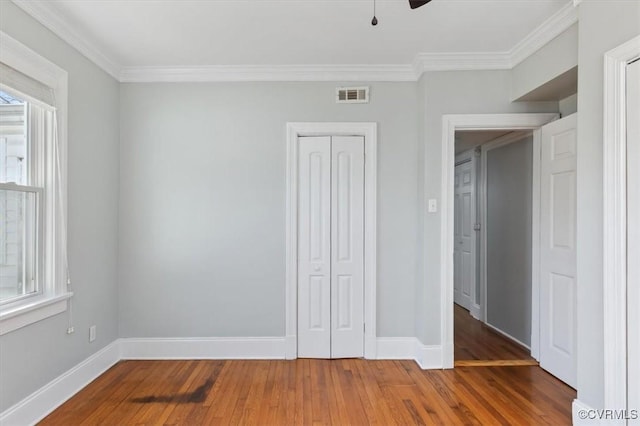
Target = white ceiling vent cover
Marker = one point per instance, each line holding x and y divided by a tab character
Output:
352	95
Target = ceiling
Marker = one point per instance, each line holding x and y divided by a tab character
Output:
172	33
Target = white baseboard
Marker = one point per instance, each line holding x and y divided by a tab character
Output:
39	404
427	357
580	413
291	350
396	348
475	311
507	335
204	348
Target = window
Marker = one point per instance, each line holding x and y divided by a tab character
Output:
33	272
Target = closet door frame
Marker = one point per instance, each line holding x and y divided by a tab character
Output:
369	132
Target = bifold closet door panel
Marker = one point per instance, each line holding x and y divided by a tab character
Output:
347	246
314	247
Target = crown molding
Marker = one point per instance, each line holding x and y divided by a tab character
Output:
547	31
268	73
446	61
47	14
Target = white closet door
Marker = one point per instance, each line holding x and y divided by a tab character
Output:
464	250
633	238
347	247
314	248
558	325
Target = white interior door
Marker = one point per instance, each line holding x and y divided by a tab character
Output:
314	248
633	237
347	247
558	328
331	247
464	262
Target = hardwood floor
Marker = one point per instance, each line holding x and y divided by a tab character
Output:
473	340
315	392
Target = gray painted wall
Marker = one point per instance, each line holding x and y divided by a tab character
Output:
509	203
568	105
604	25
555	58
450	92
34	355
202	204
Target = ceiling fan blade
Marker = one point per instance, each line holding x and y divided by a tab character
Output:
417	3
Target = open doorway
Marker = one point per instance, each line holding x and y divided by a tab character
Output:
493	193
553	236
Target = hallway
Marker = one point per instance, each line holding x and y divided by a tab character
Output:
475	342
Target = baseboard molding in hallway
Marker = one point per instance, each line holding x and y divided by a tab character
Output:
495	363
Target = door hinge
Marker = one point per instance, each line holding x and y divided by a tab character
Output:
476	226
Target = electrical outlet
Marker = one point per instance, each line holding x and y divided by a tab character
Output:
92	333
70	330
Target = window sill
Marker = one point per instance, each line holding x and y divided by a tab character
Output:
29	313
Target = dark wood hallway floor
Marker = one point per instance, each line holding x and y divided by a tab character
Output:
473	340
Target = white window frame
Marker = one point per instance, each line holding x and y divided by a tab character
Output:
54	295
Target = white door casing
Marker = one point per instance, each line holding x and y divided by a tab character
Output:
331	247
450	124
347	246
633	237
558	310
368	130
464	233
617	136
314	248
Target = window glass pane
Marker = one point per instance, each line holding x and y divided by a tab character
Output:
13	140
18	225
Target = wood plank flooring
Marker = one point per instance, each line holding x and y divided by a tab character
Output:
315	392
473	340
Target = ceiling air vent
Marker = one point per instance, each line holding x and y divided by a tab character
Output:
352	95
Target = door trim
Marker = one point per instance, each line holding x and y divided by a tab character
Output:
451	123
614	222
369	132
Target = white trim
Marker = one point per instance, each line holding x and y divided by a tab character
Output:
23	59
535	232
369	131
396	347
507	335
32	64
39	404
428	357
580	413
47	14
203	348
237	73
451	61
614	225
451	123
547	31
40	309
